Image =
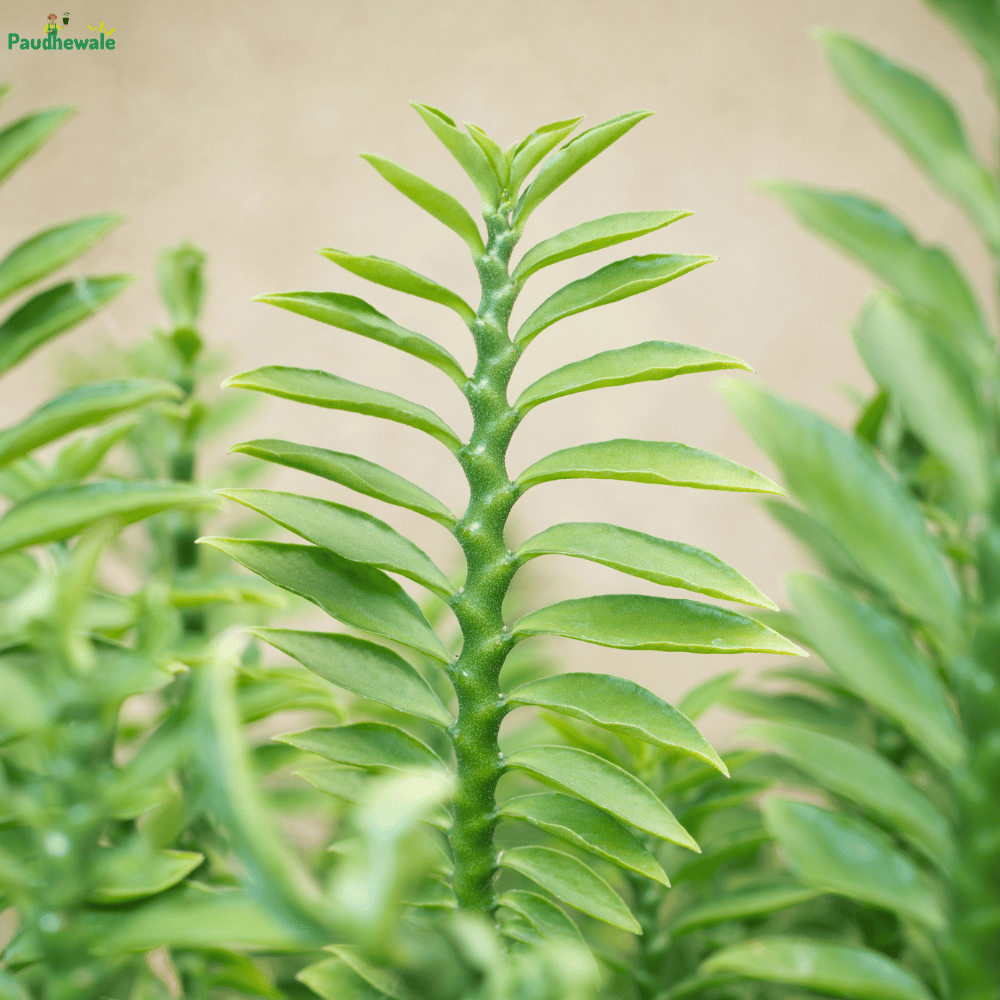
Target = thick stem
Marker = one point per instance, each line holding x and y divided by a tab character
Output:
478	606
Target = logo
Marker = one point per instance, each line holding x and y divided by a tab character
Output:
53	41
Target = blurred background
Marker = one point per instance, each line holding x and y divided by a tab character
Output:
237	127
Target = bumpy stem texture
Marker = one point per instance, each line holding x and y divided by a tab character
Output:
478	606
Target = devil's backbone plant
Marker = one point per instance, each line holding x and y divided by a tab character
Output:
346	565
901	736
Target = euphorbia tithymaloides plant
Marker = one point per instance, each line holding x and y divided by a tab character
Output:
902	515
345	569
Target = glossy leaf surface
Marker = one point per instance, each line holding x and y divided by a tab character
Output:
365	668
672	564
402	279
349	533
357	595
371	745
587	827
355	473
653	361
605	785
638	621
347	312
616	281
571	881
663	463
621	706
320	388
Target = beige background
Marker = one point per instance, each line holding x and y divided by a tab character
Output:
237	126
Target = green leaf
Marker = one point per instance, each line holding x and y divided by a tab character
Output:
83	456
351	534
870	422
381	979
871	234
179	272
937	398
702	697
53	312
90	404
602	784
650	362
494	155
797	710
64	511
348	783
663	463
758	902
546	918
334	979
616	281
347	312
595	235
371	745
621	706
402	279
845	854
571	881
465	149
21	138
533	148
436	202
587	827
922	120
39	255
320	388
561	165
362	667
353	593
867	779
845	970
673	564
133	870
979	22
875	656
638	621
841	483
355	473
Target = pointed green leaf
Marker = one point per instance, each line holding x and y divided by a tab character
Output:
436	202
533	148
738	906
875	656
616	281
590	236
21	138
347	312
64	511
363	667
587	827
602	784
90	404
349	533
371	745
53	312
494	154
465	150
673	564
922	120
355	473
869	232
842	484
937	398
320	388
53	248
381	979
565	162
840	853
82	457
547	919
572	882
841	969
133	870
348	783
663	463
702	697
401	278
979	22
621	706
357	595
638	621
334	979
867	779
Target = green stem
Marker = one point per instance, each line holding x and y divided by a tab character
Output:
490	569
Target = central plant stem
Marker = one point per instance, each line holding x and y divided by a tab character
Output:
490	568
